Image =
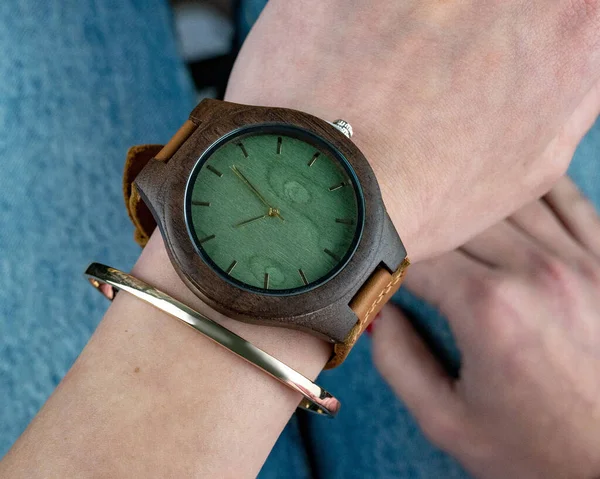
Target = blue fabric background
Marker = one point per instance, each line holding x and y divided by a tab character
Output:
80	81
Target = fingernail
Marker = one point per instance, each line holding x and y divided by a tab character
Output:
370	327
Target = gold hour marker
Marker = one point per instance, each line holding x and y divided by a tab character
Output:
231	266
214	170
344	221
332	254
338	186
204	240
201	203
266	283
243	148
303	276
314	158
279	140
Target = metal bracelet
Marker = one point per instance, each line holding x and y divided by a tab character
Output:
109	280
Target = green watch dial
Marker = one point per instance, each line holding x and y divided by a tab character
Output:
274	209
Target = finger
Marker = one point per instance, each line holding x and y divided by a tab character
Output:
415	376
576	213
540	223
502	246
442	280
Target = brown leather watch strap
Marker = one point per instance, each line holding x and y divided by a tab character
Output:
369	300
137	157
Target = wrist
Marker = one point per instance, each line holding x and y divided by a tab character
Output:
301	351
396	174
146	388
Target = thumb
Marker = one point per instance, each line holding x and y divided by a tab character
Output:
416	377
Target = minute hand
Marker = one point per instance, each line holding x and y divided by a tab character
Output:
240	175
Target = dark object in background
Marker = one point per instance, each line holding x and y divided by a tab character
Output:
213	73
210	33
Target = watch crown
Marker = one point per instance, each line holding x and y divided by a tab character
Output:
344	127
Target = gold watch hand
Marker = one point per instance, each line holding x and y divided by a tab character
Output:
250	221
240	175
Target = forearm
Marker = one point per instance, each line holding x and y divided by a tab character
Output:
150	396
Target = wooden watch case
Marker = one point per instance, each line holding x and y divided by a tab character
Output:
324	311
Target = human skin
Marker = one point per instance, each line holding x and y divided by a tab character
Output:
442	108
523	301
466	109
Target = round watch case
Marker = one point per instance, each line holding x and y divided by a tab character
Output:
322	310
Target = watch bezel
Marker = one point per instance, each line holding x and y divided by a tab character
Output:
294	132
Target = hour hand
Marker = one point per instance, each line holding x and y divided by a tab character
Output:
251	220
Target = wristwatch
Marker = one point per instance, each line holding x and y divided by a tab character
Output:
271	216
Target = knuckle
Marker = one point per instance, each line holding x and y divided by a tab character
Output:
552	275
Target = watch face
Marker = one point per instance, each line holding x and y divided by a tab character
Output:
274	209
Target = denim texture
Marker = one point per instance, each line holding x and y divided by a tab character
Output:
80	81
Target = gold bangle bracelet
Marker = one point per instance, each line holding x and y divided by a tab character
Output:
109	280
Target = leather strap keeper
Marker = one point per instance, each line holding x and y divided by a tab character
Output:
367	302
377	290
178	139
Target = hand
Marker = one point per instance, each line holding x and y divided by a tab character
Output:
523	301
241	176
466	110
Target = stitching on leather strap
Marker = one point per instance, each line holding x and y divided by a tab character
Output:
394	280
341	350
